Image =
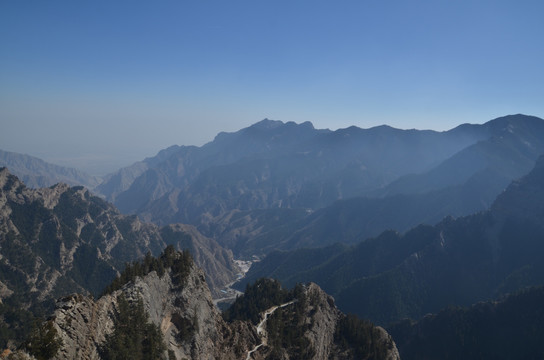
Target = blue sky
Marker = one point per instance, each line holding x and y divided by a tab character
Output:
100	84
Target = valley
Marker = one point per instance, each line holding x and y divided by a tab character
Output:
228	293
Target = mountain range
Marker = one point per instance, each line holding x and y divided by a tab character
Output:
62	239
456	262
282	165
394	224
278	185
285	185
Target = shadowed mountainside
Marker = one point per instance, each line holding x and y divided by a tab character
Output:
458	261
510	328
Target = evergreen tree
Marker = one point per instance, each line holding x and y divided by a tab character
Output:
133	337
44	342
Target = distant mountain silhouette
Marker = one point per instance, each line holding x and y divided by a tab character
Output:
115	183
273	164
37	173
467	182
348	220
509	150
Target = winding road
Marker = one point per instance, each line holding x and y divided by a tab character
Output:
261	331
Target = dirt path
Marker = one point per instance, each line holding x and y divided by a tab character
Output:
261	331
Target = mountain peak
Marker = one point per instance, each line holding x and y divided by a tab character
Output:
267	124
4	172
508	122
7	179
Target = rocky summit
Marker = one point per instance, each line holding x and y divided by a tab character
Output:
181	307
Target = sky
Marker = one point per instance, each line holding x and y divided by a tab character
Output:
100	84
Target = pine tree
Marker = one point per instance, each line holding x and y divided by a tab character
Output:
133	337
44	342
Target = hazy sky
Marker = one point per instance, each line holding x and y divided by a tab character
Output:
100	84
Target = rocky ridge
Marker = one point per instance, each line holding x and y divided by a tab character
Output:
192	326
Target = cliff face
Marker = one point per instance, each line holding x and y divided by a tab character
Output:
322	324
193	328
191	325
323	331
311	327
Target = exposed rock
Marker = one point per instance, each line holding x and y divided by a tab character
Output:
218	272
192	326
16	355
4	291
82	324
322	323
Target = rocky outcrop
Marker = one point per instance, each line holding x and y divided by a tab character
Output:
82	324
193	328
216	261
322	321
305	324
191	325
322	324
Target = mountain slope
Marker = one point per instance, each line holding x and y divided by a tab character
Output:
510	328
115	183
59	239
459	261
37	173
512	145
257	232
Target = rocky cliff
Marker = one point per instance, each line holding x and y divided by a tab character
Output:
193	328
